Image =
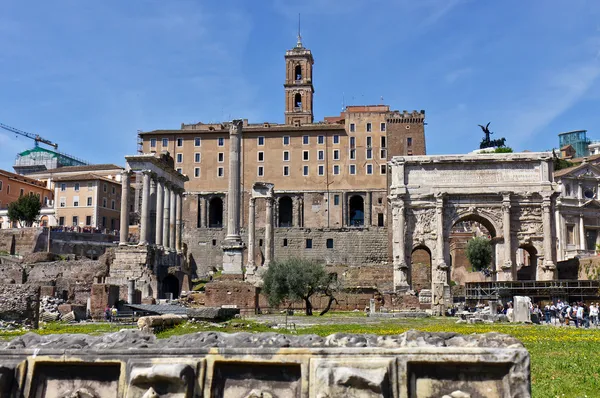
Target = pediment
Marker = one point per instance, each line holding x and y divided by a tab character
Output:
591	204
585	171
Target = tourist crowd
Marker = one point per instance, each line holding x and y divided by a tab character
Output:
577	313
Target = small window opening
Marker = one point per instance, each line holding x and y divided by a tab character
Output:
330	243
260	242
380	219
214	242
309	243
298	101
298	72
285	242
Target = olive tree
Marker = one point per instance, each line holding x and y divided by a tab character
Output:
298	279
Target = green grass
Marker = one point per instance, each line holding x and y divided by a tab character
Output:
61	328
565	362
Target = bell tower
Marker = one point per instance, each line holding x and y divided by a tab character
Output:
298	84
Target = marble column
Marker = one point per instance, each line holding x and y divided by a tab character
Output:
506	205
559	229
399	245
145	217
581	232
250	268
172	216
166	214
269	233
152	223
549	263
124	228
202	200
160	194
367	209
300	211
178	223
439	278
233	247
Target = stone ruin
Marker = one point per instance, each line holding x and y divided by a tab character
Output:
132	364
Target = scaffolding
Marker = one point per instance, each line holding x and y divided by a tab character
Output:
40	159
537	290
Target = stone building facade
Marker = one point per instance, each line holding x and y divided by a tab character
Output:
330	178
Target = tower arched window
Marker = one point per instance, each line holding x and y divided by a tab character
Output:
298	101
298	72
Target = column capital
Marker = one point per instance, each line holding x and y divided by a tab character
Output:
236	126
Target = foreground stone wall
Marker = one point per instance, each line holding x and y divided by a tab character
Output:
414	364
19	240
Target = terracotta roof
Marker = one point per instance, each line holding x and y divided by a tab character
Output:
89	167
568	170
85	177
27	180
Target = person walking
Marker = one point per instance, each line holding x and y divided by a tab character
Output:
594	314
113	314
579	315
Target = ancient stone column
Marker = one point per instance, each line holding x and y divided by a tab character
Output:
233	197
124	228
399	245
166	214
178	223
439	275
439	211
269	233
559	229
581	232
172	217
203	202
233	246
160	194
131	291
507	266
145	217
250	268
368	209
300	222
152	221
549	263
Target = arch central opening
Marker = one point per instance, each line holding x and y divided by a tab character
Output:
464	230
170	285
526	263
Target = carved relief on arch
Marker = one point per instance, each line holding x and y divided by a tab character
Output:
529	222
421	221
488	216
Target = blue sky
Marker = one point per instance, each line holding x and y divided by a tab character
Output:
89	74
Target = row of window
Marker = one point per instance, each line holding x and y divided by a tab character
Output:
261	140
63	202
368	127
21	191
90	186
260	156
336	169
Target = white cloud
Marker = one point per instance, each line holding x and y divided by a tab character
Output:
555	94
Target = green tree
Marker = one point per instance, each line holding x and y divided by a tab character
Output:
479	253
294	279
503	149
25	210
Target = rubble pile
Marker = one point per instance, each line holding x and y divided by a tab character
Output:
49	308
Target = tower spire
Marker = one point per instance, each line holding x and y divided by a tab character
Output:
299	43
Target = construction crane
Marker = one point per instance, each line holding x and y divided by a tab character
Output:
34	137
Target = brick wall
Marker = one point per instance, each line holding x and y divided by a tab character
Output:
19	240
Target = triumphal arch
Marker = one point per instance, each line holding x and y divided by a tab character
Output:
512	195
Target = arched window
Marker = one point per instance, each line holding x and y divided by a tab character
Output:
357	211
298	72
215	219
298	101
285	211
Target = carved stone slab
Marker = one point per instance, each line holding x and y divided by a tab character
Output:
130	364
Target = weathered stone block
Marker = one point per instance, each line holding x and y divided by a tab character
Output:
133	364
